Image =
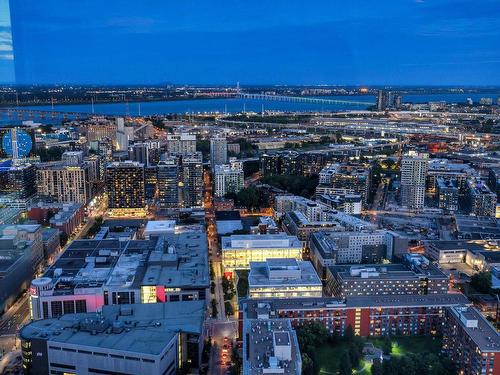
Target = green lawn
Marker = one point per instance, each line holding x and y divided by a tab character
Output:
402	345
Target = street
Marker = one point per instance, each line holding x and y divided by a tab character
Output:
222	330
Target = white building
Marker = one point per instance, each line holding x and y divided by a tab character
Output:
218	151
229	178
124	134
159	227
413	173
317	212
239	250
283	278
183	143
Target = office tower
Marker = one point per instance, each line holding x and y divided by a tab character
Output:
64	183
192	180
97	132
168	178
183	143
125	187
218	151
413	173
18	180
229	178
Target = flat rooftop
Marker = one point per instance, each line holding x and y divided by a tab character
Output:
261	338
477	328
270	307
181	260
477	227
174	260
262	241
138	328
471	245
282	272
393	271
160	226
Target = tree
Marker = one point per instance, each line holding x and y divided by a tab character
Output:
377	367
214	308
345	364
63	239
307	365
203	146
248	198
250	167
387	345
349	333
481	282
354	354
229	308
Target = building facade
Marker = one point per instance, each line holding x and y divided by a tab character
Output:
218	151
228	178
125	188
64	183
239	250
413	174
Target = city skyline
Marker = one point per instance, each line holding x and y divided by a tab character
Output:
395	43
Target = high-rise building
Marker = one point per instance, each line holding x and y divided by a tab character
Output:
150	182
18	180
192	180
218	151
388	100
124	134
64	183
168	178
139	152
183	143
229	178
125	187
382	100
413	173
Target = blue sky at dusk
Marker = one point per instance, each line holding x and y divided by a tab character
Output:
435	42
